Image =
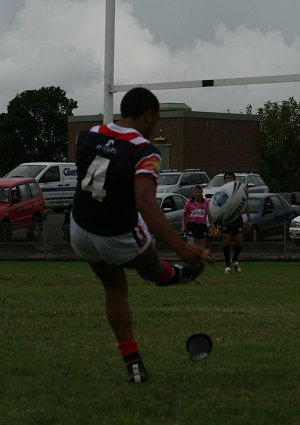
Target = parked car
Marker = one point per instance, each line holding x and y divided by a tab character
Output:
56	179
172	205
253	181
294	230
181	181
268	213
22	206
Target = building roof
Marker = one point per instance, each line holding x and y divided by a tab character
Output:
176	110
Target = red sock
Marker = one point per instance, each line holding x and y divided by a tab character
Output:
129	351
168	273
128	346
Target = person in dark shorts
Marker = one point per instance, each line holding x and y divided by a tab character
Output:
233	232
114	204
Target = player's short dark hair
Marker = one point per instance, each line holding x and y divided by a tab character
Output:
229	174
137	101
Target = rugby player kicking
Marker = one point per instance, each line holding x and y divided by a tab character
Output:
115	204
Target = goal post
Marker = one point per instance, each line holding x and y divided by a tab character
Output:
110	88
267	79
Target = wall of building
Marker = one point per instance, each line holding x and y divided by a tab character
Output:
75	125
210	141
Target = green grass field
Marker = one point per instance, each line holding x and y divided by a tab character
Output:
60	364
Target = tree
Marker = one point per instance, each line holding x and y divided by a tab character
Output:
35	127
280	143
249	109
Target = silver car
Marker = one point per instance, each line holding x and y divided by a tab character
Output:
172	205
294	230
253	181
181	181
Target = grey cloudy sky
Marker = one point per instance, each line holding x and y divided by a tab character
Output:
61	43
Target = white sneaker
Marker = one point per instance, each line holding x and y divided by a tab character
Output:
227	270
236	267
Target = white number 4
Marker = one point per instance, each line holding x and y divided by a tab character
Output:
95	178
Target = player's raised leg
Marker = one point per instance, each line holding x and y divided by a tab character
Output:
163	273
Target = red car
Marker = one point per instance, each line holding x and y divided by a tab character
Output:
22	206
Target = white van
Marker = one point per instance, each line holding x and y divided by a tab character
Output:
56	179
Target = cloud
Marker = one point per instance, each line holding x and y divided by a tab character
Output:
61	43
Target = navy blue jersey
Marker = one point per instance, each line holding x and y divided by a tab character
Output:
109	158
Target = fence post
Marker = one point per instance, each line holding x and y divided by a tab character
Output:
284	239
45	238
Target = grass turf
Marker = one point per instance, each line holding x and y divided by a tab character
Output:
60	364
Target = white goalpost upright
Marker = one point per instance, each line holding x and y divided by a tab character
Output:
110	88
109	56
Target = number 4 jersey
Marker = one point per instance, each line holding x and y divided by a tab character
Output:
109	158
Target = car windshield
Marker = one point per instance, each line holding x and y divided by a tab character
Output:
4	195
168	179
29	170
218	180
254	205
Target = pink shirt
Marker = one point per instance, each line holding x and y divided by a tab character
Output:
196	212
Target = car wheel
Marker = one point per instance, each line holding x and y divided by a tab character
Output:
36	228
5	232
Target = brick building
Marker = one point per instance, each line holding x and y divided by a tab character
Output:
211	141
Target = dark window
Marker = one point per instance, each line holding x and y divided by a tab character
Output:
186	180
217	181
241	179
168	203
168	179
199	178
4	192
34	189
251	181
51	175
268	205
23	192
179	202
278	203
256	181
260	181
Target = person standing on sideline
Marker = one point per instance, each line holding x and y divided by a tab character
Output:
195	218
114	204
233	231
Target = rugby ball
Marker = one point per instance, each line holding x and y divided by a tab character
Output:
226	204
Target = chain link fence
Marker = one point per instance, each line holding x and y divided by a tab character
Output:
272	244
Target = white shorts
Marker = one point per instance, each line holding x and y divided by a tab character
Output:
115	250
